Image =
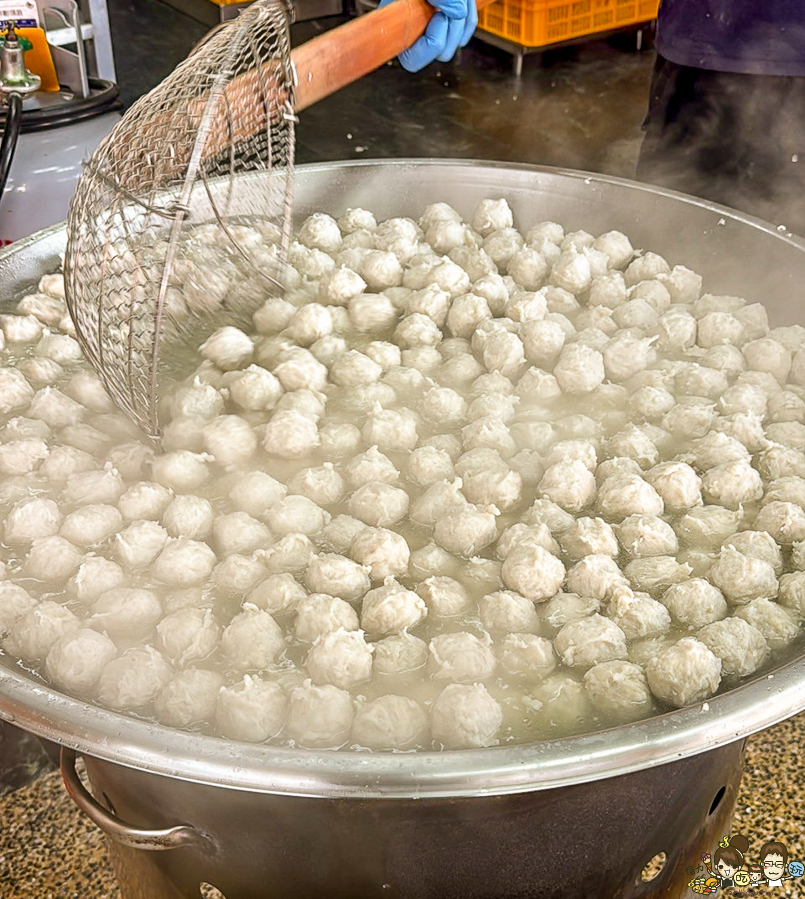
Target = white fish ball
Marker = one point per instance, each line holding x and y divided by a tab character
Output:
134	679
391	609
399	654
277	594
638	615
188	516
677	484
290	435
188	635
273	316
567	607
506	612
230	440
741	647
290	554
778	625
466	313
381	269
430	301
527	656
461	657
589	536
465	531
184	562
676	331
320	231
390	722
378	504
768	355
647	535
30	519
431	560
732	484
695	603
91	524
228	348
337	576
189	699
372	313
444	596
623	495
428	464
145	500
15	391
51	559
126	612
590	641
579	369
569	484
383	552
95	576
338	287
338	534
41	371
255	492
465	717
501	245
55	409
181	471
254	389
77	660
742	578
238	532
533	572
342	658
619	689
320	614
319	716
197	400
597	576
299	369
34	633
62	348
492	215
785	521
253	710
252	640
139	544
296	515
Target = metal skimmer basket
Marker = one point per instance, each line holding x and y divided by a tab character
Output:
162	189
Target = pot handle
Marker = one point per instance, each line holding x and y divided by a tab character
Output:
112	826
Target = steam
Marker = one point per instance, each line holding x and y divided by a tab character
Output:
736	139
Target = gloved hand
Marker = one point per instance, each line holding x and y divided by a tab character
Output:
451	27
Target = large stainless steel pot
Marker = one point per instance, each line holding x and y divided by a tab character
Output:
573	817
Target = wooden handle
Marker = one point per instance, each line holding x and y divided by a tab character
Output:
337	58
323	65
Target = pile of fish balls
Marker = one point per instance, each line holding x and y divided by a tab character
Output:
463	484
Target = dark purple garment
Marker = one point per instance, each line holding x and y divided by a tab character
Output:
752	37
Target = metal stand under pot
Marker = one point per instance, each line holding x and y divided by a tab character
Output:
629	837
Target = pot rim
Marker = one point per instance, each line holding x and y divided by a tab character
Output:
768	699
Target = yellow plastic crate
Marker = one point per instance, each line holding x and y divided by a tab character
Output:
537	23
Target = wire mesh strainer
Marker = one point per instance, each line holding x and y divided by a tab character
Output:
157	197
158	192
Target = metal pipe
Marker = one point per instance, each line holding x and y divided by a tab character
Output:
11	135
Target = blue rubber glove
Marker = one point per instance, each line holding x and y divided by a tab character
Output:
451	27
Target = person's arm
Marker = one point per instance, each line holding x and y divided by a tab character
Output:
451	27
